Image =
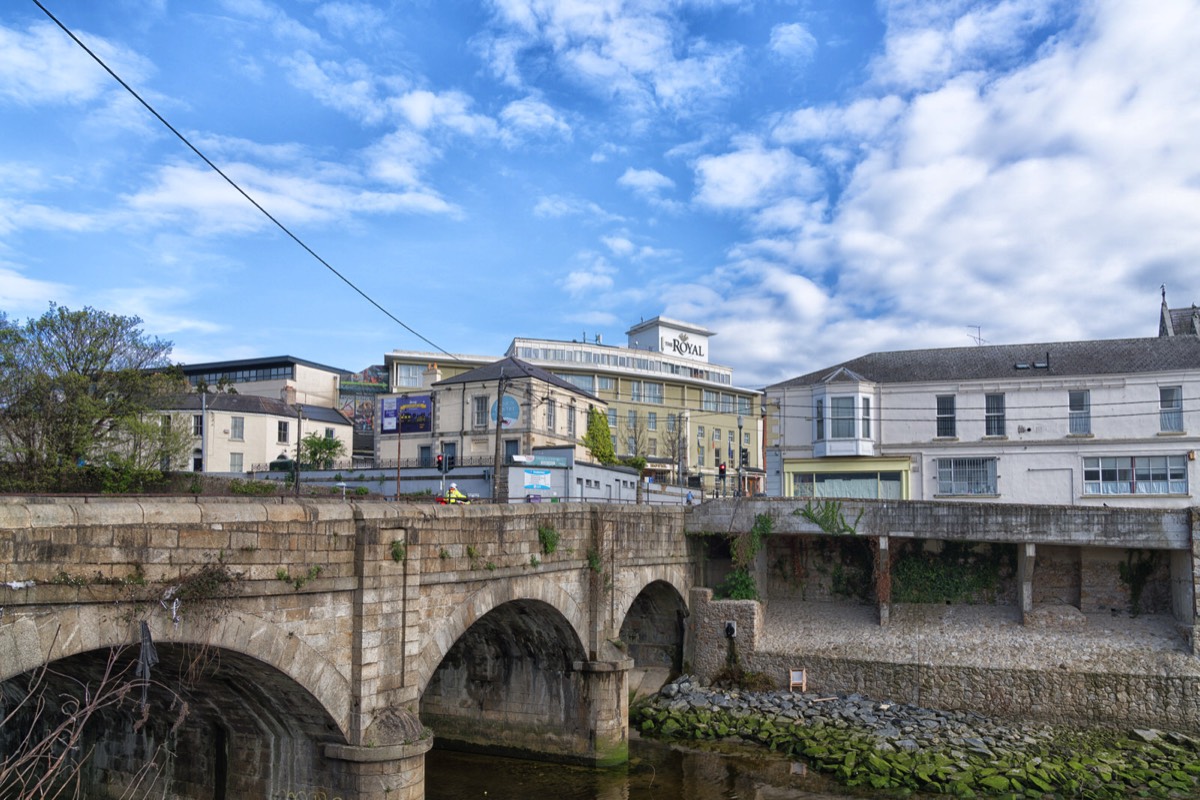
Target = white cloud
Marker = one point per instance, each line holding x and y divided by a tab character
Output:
26	297
424	109
640	53
532	117
350	87
793	42
358	21
41	65
558	206
645	181
1023	199
753	176
595	276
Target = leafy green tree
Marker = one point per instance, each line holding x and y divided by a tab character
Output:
320	451
75	387
598	438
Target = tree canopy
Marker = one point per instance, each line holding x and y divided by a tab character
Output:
76	388
598	438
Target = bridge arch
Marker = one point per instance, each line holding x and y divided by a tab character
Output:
27	643
652	618
490	596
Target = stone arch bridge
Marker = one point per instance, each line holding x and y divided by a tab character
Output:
316	643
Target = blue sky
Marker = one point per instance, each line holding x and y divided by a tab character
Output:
811	179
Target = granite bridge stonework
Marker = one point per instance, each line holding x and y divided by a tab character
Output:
316	644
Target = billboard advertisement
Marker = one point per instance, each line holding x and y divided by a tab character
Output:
406	414
415	413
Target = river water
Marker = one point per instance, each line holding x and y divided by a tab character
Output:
656	771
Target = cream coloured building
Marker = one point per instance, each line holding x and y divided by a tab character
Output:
665	401
1111	422
239	433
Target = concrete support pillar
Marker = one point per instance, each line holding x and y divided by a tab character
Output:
606	698
1026	558
394	772
883	581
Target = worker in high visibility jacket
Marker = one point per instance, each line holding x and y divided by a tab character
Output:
453	495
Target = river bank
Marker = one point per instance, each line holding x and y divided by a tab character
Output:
900	748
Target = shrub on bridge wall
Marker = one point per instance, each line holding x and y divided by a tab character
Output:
961	572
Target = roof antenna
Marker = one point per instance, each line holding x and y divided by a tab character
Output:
978	337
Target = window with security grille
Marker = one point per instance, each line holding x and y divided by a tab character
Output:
1079	412
1170	405
945	416
966	476
994	415
1135	475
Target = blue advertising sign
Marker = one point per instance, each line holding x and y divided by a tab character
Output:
416	413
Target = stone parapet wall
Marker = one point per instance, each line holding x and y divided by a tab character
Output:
1161	529
98	542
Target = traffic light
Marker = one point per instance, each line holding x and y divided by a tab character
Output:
450	462
441	463
745	456
721	469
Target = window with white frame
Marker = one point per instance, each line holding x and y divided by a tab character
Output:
1170	409
652	447
700	434
409	375
631	420
635	391
1079	412
708	400
605	384
993	415
237	428
945	415
670	423
841	418
652	421
1135	475
652	393
866	418
743	404
235	462
550	412
819	422
966	476
632	444
727	404
571	420
330	433
479	411
612	418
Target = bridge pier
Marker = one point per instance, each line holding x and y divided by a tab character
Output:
606	697
394	772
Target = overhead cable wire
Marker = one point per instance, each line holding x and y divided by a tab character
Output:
234	184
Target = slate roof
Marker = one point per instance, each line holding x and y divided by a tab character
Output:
999	362
510	368
1184	322
253	404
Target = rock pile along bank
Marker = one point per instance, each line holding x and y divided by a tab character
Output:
899	749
